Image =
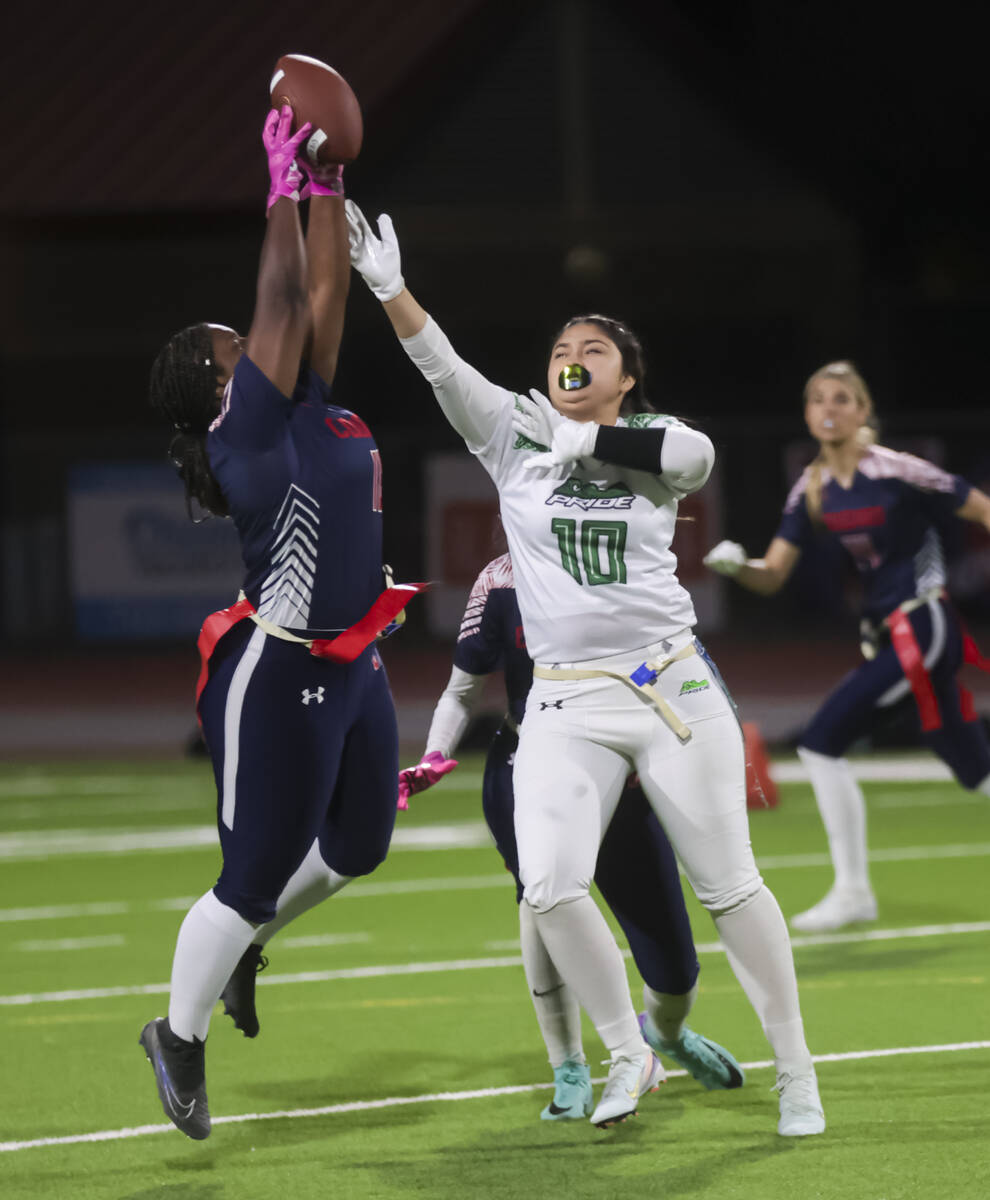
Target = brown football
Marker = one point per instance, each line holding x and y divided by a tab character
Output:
318	94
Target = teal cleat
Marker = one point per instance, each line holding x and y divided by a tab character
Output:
571	1093
711	1064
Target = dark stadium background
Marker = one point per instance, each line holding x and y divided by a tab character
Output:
756	188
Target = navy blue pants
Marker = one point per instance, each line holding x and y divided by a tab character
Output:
302	748
636	874
962	745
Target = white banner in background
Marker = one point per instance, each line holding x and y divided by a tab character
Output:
139	568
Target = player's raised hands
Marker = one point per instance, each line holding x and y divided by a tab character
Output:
424	775
726	558
375	256
282	147
536	419
320	181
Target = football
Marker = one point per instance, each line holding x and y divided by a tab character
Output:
317	93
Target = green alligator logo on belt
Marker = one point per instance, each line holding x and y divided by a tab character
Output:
578	493
693	685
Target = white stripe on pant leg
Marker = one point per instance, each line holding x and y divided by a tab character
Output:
903	686
232	723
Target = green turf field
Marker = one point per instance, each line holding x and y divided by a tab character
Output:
399	1056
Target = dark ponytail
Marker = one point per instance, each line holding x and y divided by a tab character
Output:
183	389
633	361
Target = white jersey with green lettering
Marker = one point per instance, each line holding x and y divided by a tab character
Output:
590	544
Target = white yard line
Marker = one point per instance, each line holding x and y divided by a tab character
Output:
90	785
470	883
83	943
51	843
899	769
111	1135
475	964
325	939
461	835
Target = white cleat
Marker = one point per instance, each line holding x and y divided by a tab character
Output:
837	910
629	1077
801	1112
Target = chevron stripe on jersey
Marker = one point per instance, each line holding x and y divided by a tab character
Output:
498	574
287	593
929	563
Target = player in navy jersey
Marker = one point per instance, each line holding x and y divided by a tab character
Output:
636	872
884	508
293	700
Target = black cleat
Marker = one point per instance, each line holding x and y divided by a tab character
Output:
180	1073
238	994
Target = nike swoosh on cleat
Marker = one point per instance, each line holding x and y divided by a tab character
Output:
184	1110
735	1075
555	1111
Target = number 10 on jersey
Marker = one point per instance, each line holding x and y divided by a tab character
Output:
602	549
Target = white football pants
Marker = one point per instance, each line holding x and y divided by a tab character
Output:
581	739
578	742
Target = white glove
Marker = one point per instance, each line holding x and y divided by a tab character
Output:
535	418
374	256
726	558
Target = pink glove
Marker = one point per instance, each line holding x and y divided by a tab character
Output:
417	779
282	150
321	181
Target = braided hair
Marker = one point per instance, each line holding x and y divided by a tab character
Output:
633	361
183	389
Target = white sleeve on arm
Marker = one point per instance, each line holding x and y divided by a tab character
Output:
453	711
469	402
686	459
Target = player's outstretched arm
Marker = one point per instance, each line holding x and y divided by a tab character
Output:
450	718
281	311
329	266
764	575
470	402
976	508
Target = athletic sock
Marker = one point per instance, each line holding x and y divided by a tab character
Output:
840	802
585	953
211	940
759	952
312	883
668	1011
984	787
558	1013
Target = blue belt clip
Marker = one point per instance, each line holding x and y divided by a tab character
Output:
643	675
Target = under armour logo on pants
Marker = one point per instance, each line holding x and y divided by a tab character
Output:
308	695
551	704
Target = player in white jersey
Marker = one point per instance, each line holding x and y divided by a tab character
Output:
589	501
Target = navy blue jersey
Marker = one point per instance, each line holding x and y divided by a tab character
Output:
887	520
302	479
491	634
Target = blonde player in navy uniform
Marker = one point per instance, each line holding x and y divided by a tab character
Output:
589	502
294	702
636	870
884	508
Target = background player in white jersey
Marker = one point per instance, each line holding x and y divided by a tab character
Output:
636	871
589	503
884	508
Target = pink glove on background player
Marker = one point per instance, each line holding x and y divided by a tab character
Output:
417	779
282	150
320	181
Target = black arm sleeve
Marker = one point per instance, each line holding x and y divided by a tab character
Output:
637	448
